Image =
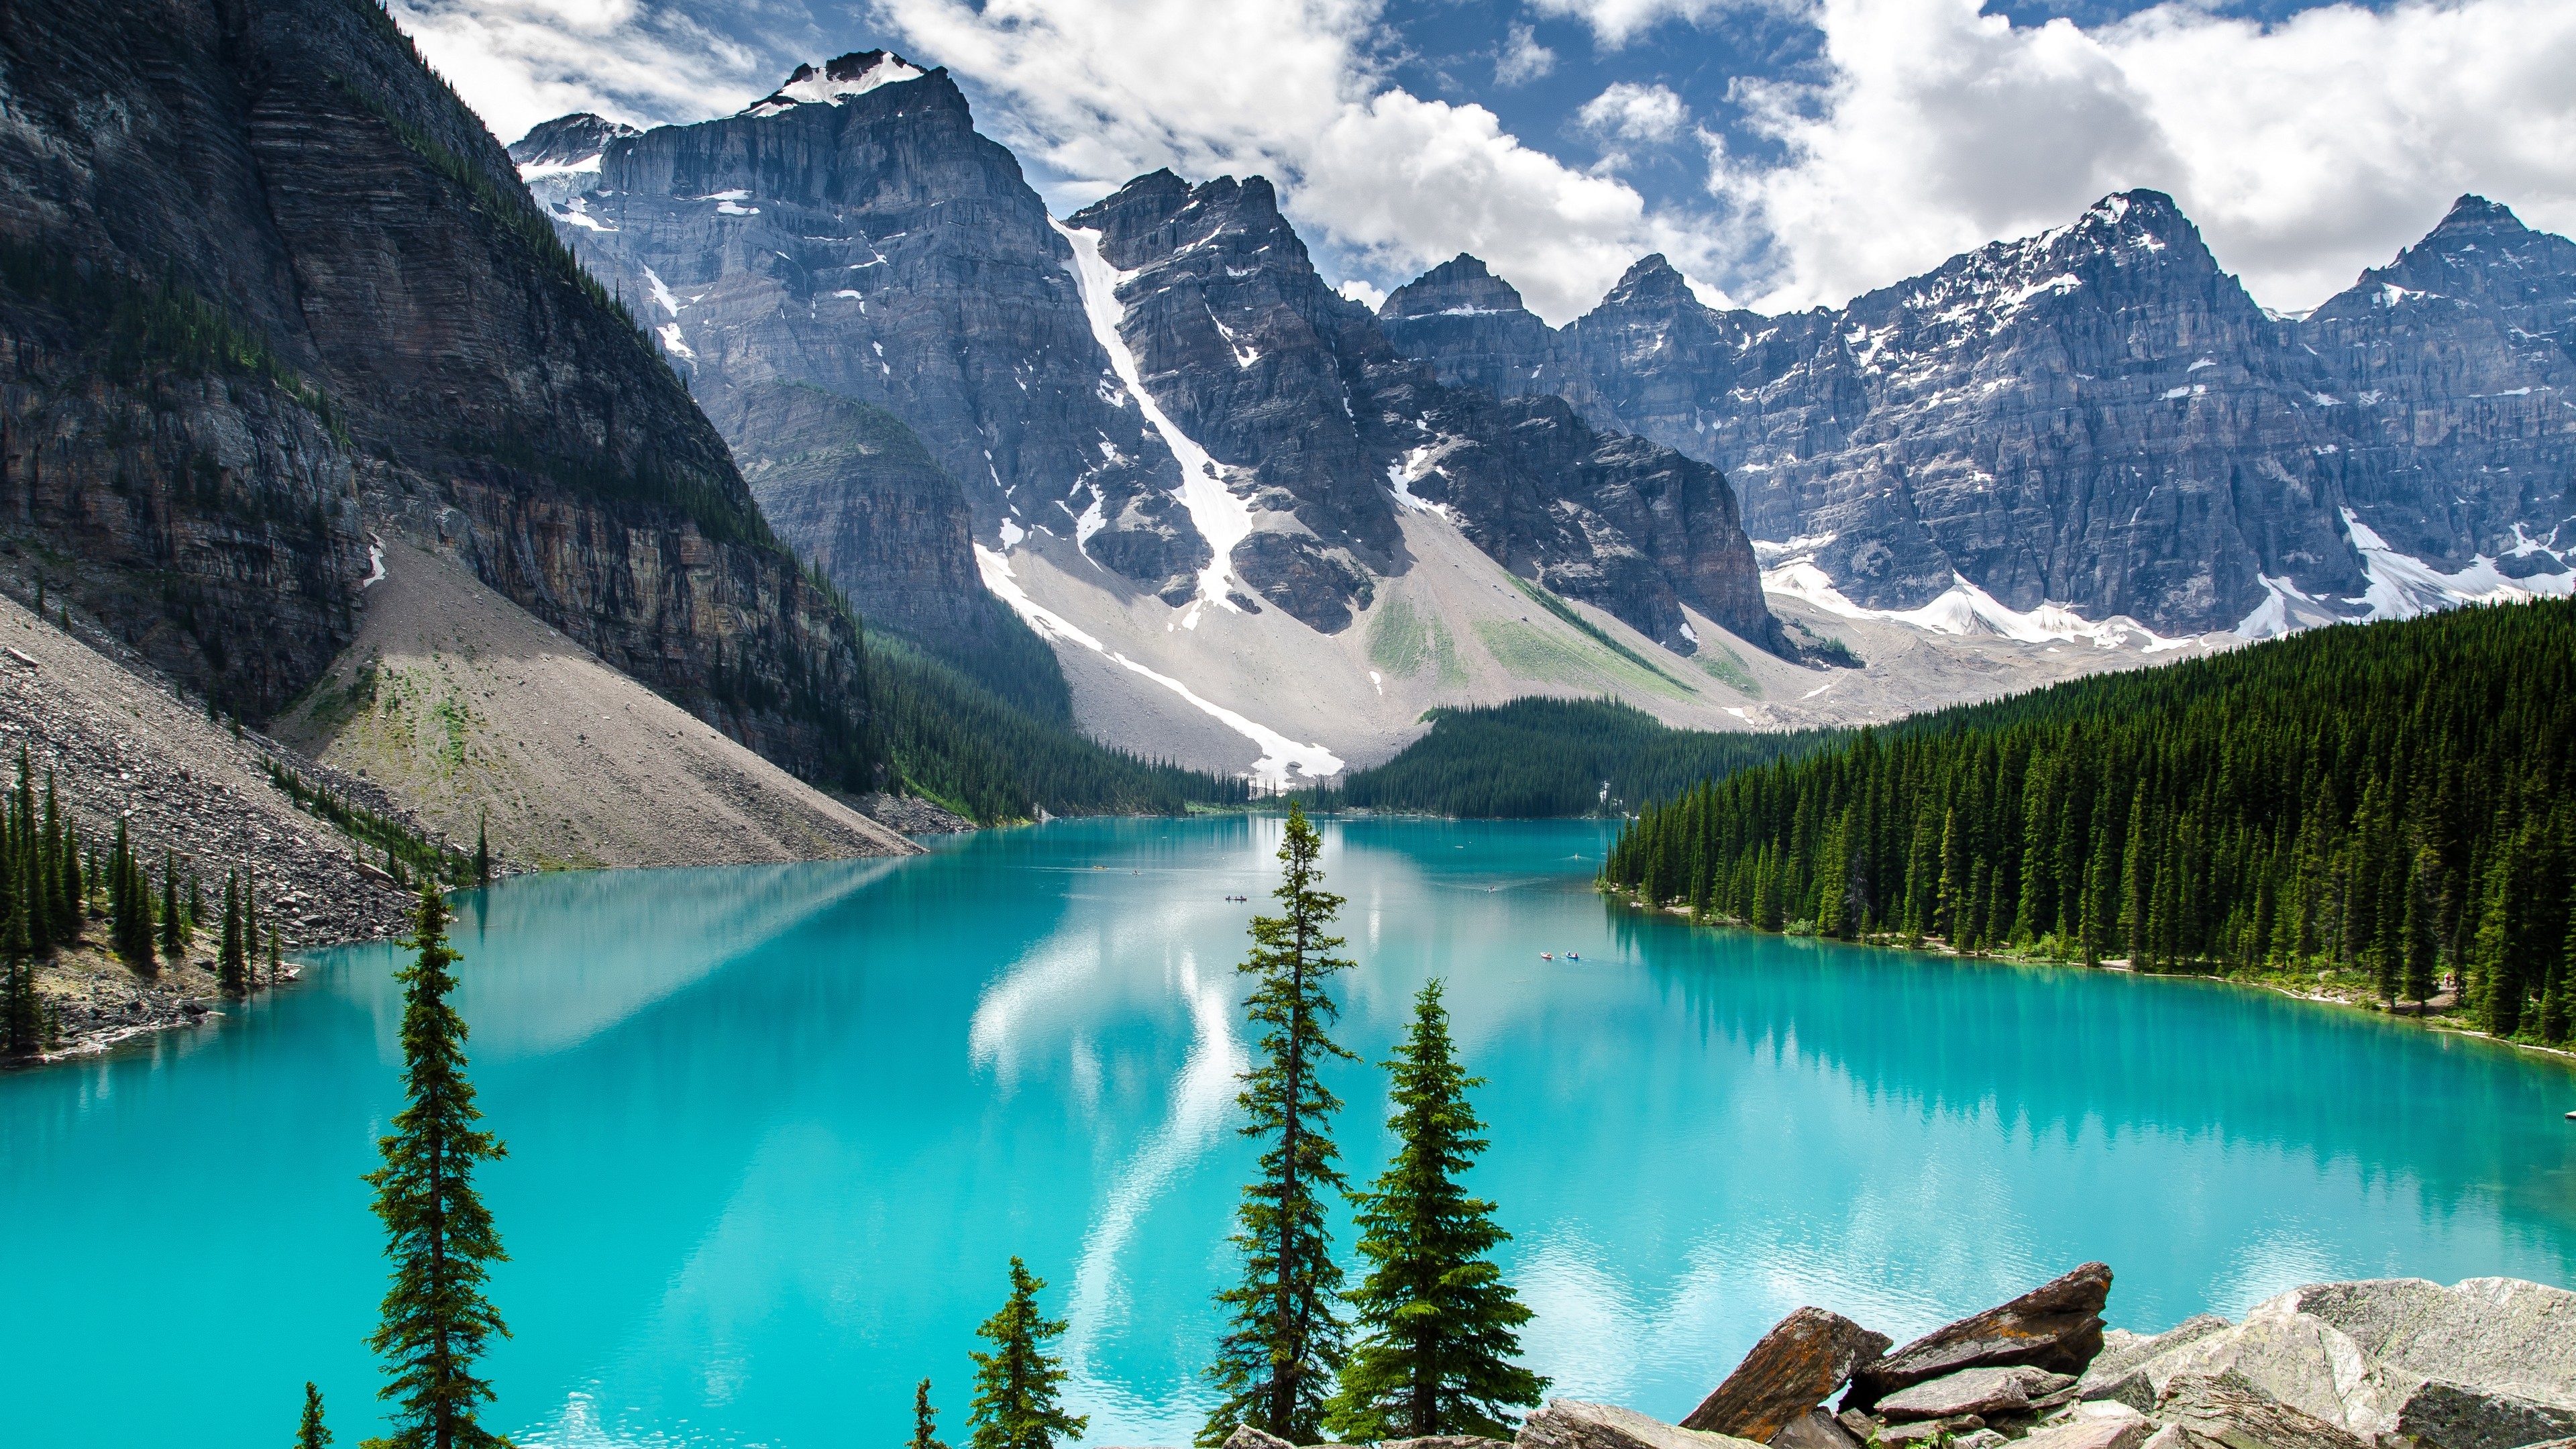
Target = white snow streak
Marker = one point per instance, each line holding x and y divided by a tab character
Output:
1283	761
2402	587
1221	518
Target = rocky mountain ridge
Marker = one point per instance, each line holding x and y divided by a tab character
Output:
828	235
311	302
2096	421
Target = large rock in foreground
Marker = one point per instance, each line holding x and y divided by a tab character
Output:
2228	1408
1980	1391
1796	1366
2056	1326
1574	1424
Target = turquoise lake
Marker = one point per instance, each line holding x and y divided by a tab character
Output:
775	1132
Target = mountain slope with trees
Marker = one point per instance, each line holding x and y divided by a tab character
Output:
2391	798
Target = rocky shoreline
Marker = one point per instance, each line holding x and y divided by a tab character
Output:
2390	1363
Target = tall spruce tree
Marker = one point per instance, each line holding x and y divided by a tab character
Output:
232	958
1015	1385
310	1432
174	925
435	1319
1440	1327
925	1419
1276	1362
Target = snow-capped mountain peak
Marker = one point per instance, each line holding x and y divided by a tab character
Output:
836	81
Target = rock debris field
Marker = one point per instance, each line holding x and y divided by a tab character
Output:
2392	1363
118	743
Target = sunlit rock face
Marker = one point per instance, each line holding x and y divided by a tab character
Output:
2099	417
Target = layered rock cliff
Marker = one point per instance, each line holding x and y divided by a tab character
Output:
2096	417
312	300
1162	380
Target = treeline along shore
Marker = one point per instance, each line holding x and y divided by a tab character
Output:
2387	805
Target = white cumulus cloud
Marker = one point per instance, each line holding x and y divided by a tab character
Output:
1522	58
1616	22
2306	150
1634	112
518	62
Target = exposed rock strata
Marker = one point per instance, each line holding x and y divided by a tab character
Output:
1796	1366
400	342
2056	1326
2097	416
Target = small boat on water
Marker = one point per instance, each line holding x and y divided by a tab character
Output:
1573	955
1547	955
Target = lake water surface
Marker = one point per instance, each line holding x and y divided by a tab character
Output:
774	1133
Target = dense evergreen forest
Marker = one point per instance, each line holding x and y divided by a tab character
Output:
2389	798
1538	757
949	738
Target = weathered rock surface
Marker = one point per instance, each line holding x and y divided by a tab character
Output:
2108	1433
2453	1416
403	345
2056	1326
1814	1429
1247	1437
2492	1333
2227	1408
2097	416
1575	1424
1981	1391
1796	1366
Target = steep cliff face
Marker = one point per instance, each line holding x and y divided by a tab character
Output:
1324	430
2455	367
1163	379
852	232
400	341
2096	417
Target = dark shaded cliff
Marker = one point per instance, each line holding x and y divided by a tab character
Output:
397	339
1320	421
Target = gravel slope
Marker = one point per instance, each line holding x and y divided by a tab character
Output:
467	709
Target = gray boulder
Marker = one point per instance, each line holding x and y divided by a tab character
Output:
2100	1432
2056	1326
2124	1354
1796	1366
1814	1429
2228	1408
1980	1391
1247	1437
2441	1415
1575	1424
1445	1441
2499	1334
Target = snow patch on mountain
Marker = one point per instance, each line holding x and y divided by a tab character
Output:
1283	763
2402	587
1962	610
1221	518
834	82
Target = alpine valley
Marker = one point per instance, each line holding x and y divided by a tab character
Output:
1266	530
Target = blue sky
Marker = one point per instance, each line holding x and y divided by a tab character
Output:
1783	152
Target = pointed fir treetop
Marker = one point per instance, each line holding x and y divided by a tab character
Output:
1015	1385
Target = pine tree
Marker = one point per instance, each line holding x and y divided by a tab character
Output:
232	961
273	962
435	1319
483	859
1015	1385
310	1433
1275	1364
22	1023
2415	927
1439	1323
925	1419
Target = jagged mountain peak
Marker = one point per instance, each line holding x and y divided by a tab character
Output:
836	81
1133	219
1461	286
1652	281
567	143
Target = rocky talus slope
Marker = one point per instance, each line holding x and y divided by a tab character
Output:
2098	417
119	743
485	719
312	300
2393	1363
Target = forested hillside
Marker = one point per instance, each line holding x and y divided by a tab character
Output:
1539	757
2392	798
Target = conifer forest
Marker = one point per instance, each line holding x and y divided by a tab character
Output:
2390	798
